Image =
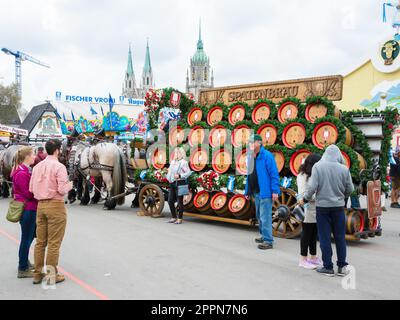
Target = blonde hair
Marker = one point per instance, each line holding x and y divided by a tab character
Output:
180	153
21	155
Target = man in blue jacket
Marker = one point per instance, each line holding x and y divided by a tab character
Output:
263	185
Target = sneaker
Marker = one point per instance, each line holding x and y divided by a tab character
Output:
395	205
307	265
265	246
31	266
317	262
25	274
342	272
326	272
259	240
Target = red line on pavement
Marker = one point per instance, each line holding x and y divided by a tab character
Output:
70	276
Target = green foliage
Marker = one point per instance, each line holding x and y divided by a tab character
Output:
9	105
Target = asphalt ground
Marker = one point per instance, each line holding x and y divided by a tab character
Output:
121	255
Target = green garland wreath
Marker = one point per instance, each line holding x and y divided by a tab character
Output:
304	122
321	100
272	107
296	101
338	124
227	110
391	116
355	163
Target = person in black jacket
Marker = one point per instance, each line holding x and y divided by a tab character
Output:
395	178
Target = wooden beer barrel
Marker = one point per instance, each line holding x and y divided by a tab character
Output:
215	115
196	136
195	115
240	207
288	111
219	204
293	135
159	158
218	136
326	133
198	159
260	113
318	111
349	138
363	162
237	114
202	202
188	202
297	160
176	136
222	161
241	163
347	160
355	222
241	136
279	159
268	133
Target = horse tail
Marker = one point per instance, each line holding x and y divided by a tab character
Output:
119	176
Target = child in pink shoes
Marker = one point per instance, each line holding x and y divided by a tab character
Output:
308	242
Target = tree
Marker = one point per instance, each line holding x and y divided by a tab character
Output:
10	104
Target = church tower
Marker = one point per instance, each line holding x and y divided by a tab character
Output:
199	76
129	88
147	75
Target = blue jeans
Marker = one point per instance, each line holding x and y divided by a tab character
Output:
28	228
332	221
264	217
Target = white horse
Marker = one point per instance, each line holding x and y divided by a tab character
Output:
105	161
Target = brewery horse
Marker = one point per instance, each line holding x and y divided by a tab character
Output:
106	163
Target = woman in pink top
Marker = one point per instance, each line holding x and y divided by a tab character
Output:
21	177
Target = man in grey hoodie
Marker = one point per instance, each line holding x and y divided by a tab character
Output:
331	182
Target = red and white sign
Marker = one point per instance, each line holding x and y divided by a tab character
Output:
175	99
13	130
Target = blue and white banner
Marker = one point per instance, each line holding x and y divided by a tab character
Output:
60	96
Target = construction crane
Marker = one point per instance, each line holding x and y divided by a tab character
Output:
19	57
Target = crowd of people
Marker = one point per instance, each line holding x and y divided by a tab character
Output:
41	182
324	186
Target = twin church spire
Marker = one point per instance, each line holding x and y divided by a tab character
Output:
130	88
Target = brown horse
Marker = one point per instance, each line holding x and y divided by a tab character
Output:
7	158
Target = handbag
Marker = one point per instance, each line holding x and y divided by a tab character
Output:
15	210
182	187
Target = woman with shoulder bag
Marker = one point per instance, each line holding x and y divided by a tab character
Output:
21	177
177	176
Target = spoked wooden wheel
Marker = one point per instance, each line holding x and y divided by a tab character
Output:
285	223
151	200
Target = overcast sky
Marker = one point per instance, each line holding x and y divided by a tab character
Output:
86	41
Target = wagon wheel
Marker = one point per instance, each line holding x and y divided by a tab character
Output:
151	200
284	223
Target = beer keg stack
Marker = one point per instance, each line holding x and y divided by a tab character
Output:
290	130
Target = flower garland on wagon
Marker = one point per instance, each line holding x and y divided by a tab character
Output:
209	180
